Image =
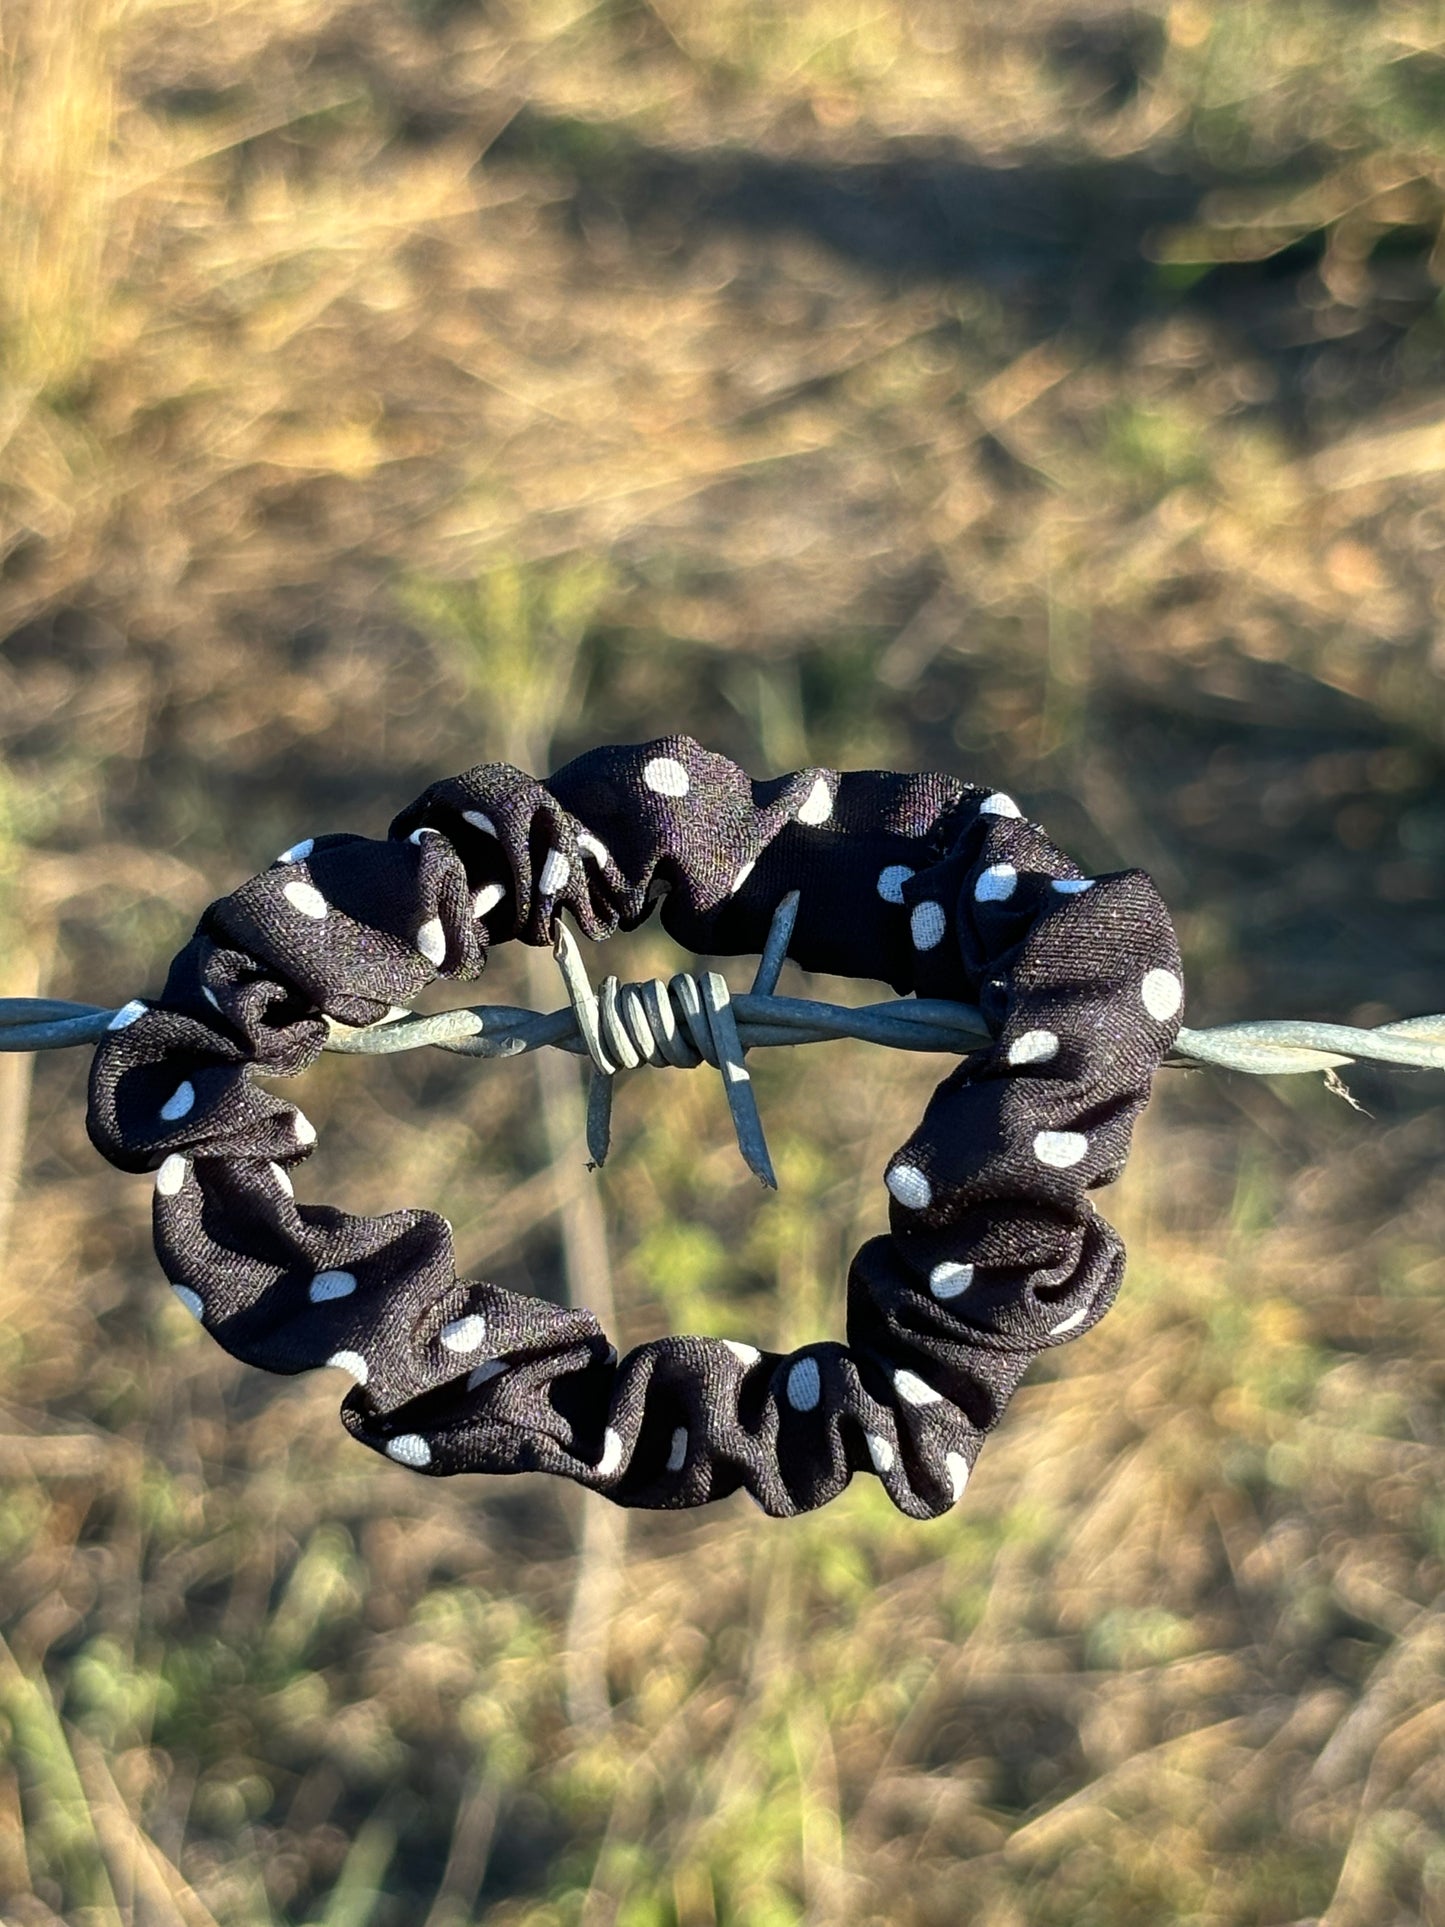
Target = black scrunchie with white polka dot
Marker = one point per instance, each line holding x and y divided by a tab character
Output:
994	1250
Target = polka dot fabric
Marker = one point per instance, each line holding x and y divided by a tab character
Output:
994	1251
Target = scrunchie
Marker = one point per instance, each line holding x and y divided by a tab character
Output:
994	1251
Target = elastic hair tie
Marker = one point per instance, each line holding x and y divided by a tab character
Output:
937	887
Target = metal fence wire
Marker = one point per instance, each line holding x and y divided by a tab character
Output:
694	1018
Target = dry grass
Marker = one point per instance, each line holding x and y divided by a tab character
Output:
1048	392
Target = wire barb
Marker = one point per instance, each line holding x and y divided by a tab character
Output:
683	1022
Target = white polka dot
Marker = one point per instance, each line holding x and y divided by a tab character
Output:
172	1175
742	876
1034	1047
210	996
928	923
283	1178
481	1374
181	1100
190	1299
956	1466
425	830
910	1187
1075	1318
464	1334
996	883
999	805
745	1354
306	898
127	1015
410	1449
298	852
817	805
487	898
302	1126
665	776
431	941
594	847
891	882
950	1280
351	1362
880	1450
677	1457
555	872
805	1387
912	1389
331	1284
479	822
1162	993
1071	886
611	1453
1060	1149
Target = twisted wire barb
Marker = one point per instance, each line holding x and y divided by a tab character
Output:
693	1018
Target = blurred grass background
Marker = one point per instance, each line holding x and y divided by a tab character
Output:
1050	392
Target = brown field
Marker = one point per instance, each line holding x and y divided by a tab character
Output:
1053	393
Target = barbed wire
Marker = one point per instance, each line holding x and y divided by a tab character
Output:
693	1018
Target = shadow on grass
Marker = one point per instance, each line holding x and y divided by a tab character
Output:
1075	245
